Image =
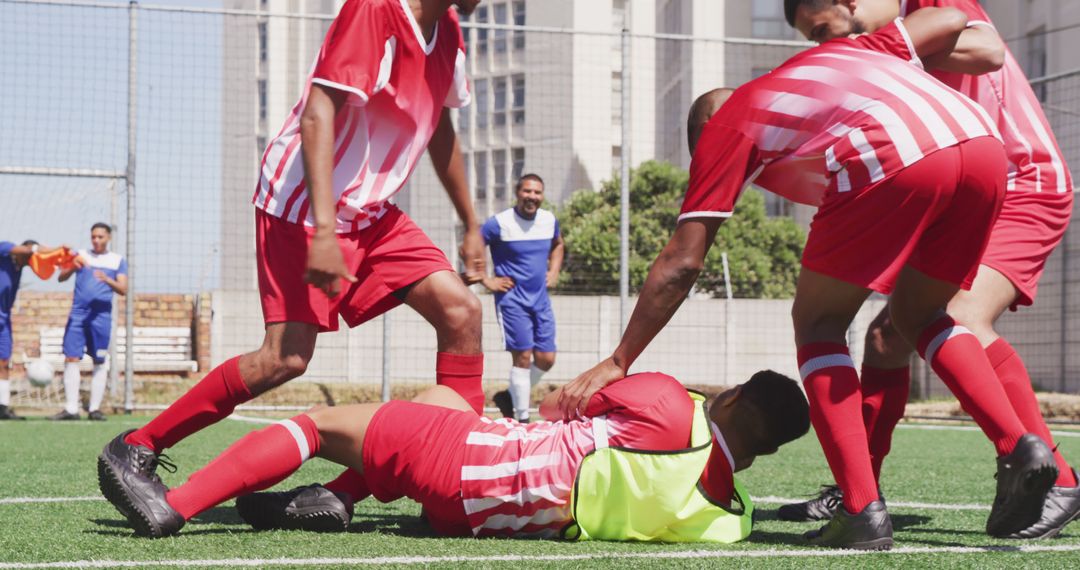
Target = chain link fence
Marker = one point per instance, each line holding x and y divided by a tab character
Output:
154	118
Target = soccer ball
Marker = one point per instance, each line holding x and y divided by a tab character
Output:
40	373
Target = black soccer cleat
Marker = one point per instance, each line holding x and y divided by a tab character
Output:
96	416
819	508
505	403
1062	506
312	508
64	416
147	510
869	530
6	413
122	465
1023	479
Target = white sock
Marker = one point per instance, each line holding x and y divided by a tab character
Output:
520	390
97	386
535	374
5	392
71	387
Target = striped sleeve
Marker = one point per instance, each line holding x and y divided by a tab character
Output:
724	163
351	58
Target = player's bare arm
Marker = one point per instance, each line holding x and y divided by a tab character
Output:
450	166
976	49
667	285
497	283
118	285
555	260
325	264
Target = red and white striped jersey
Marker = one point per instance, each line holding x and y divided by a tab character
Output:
835	118
1036	163
397	85
517	478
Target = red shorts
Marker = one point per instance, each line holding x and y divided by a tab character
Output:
934	215
416	451
386	256
1030	226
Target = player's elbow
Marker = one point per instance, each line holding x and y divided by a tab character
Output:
992	57
952	20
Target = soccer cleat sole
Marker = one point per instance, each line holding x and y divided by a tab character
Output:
262	517
113	490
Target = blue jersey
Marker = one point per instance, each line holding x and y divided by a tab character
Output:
520	250
9	279
91	292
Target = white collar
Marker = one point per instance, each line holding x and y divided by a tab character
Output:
427	47
723	444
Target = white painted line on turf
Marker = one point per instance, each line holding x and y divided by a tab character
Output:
933	427
24	500
770	500
671	555
251	420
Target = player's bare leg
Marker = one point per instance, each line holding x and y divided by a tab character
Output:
1026	467
824	308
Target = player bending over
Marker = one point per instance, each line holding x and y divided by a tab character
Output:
330	243
908	177
1033	220
646	461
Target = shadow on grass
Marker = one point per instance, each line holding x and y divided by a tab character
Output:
396	524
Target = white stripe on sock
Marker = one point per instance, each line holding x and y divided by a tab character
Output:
932	348
298	435
826	361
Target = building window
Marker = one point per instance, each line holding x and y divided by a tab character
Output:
1035	62
502	17
518	168
481	33
616	99
498	163
499	91
519	20
482	103
260	143
519	99
262	41
768	20
480	164
262	99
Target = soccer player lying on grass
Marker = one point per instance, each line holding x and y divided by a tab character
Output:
909	177
646	460
1033	220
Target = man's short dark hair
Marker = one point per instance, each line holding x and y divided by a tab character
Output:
30	242
780	406
102	225
529	176
790	6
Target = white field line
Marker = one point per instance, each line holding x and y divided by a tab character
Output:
24	500
672	555
934	427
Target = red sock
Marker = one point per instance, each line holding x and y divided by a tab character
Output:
958	358
884	397
206	403
832	386
257	461
464	374
352	482
1014	378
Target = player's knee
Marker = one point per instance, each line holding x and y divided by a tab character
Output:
292	366
463	313
819	328
544	360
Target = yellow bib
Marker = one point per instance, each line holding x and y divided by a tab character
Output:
626	494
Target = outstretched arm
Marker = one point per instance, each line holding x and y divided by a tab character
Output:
555	260
979	50
670	279
450	166
935	32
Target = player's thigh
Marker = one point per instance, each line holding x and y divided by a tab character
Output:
443	300
824	307
444	398
517	326
341	432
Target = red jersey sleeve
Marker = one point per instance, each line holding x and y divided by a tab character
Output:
724	163
975	13
892	39
351	58
460	94
655	405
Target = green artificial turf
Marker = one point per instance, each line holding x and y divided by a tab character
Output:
44	459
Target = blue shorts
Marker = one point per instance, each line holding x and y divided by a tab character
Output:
527	327
88	332
5	338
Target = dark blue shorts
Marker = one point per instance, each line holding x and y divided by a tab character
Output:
88	332
5	338
527	327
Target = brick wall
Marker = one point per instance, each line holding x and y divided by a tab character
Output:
36	310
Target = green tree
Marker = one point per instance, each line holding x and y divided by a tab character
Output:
763	252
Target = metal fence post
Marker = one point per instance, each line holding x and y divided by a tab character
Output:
114	371
129	305
624	183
